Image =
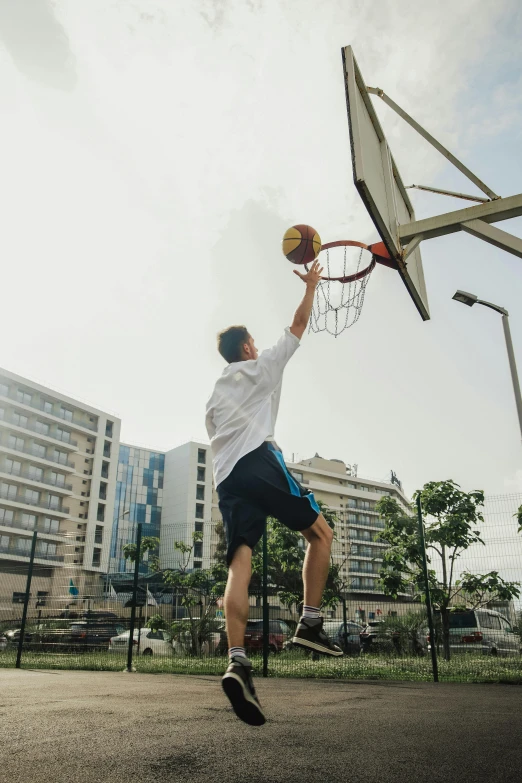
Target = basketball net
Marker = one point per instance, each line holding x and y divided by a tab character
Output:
340	294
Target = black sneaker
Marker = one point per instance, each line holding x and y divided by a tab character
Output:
239	687
309	633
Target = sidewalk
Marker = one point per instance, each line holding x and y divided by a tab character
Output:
96	727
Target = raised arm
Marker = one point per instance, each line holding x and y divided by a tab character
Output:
302	314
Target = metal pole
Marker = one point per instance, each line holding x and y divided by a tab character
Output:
434	662
345	626
266	623
513	368
134	599
26	600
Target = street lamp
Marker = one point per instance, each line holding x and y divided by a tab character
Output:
470	300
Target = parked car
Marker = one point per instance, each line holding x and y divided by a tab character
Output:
278	635
3	641
146	642
62	635
374	637
335	630
482	631
211	636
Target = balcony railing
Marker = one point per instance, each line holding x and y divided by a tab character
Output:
24	473
22	499
35	428
17	524
39	405
12	550
36	453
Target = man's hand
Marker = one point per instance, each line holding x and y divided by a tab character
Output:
302	314
312	277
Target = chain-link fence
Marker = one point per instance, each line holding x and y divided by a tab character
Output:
165	612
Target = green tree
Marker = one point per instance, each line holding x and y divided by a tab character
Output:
451	527
286	553
518	516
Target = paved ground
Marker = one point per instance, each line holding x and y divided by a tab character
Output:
90	727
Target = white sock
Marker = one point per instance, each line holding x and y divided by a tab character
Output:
313	612
236	652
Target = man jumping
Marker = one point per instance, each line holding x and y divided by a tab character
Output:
253	483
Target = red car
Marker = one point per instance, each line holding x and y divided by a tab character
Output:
279	633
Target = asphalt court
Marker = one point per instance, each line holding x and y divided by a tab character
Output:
63	726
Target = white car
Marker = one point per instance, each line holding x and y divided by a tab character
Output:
146	642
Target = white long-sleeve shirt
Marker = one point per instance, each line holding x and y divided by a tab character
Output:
242	410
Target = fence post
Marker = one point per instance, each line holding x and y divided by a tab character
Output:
345	624
266	624
134	599
434	663
26	601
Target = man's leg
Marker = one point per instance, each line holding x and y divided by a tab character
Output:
317	560
236	595
237	681
309	632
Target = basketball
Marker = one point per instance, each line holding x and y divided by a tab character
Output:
301	244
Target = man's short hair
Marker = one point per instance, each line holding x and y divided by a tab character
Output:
230	342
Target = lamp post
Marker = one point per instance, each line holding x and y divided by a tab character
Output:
470	300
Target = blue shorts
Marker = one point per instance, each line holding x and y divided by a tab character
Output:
259	486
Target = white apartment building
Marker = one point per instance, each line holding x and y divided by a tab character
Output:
58	461
353	500
187	504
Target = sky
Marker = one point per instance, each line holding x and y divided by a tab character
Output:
153	154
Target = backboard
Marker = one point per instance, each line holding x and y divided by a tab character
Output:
379	183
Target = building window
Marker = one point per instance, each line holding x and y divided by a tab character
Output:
34	473
47	406
98	535
202	456
200	493
200	511
297	475
108	429
24	397
66	414
58	479
23	545
19	598
6	516
101	513
103	490
63	435
201	474
60	456
4	390
54	501
106	449
19	419
198	527
96	558
352	503
38	450
198	549
46	548
13	466
51	526
15	443
28	521
41	595
4	543
105	470
8	490
197	564
42	427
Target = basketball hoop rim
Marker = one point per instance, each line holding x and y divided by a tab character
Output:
380	256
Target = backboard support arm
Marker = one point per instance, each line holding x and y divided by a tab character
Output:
452	193
433	141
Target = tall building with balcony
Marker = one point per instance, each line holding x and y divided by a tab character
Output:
357	549
58	460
